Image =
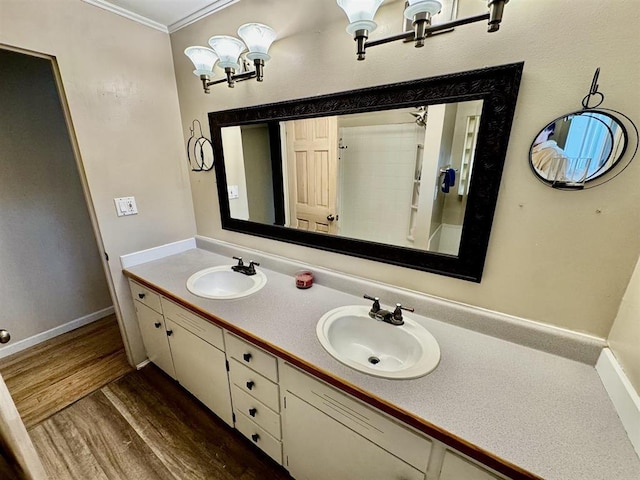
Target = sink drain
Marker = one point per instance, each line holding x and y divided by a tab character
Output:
373	360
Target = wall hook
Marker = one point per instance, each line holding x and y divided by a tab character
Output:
593	92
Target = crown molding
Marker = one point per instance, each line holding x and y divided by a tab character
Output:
128	14
188	20
199	14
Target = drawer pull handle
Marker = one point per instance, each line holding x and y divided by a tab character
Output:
247	357
157	324
255	437
169	333
252	412
141	296
250	384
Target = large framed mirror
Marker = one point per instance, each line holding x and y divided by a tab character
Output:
406	174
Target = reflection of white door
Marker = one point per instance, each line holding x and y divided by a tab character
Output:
312	171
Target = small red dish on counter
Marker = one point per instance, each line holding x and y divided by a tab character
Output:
304	279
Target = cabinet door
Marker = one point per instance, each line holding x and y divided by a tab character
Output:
201	369
320	448
455	467
154	337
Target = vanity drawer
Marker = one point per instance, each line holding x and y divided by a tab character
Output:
256	411
142	294
252	356
259	436
399	440
204	329
255	385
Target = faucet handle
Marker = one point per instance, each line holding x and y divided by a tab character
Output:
397	313
251	268
376	302
240	262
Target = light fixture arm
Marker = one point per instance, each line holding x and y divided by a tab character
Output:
423	28
231	78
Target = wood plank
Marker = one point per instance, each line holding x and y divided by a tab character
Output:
190	441
54	374
91	440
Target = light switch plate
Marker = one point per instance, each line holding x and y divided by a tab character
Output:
233	191
126	206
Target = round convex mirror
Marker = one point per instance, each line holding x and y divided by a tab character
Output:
577	148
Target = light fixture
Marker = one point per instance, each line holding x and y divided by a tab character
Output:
361	13
227	52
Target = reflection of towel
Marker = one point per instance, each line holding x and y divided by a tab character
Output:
448	179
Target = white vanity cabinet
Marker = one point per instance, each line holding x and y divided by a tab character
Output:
152	327
314	430
253	374
329	435
197	348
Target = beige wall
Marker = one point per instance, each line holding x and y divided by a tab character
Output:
120	86
50	268
624	339
563	258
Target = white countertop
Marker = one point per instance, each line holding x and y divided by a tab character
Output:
545	413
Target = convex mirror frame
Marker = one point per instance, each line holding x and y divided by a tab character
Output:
586	143
497	87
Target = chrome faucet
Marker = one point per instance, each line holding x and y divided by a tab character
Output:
246	269
387	316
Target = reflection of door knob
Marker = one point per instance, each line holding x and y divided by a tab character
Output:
330	217
4	336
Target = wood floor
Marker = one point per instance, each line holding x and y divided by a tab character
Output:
145	426
52	375
92	417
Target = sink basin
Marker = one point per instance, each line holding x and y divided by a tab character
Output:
378	348
223	283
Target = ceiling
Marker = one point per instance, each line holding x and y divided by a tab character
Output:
165	15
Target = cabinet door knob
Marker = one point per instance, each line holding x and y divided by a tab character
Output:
141	296
250	384
252	412
247	357
255	437
157	324
169	333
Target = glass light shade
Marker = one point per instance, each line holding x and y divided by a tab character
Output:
203	59
432	7
360	14
258	38
228	49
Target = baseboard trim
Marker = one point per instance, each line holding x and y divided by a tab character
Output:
155	253
141	365
624	397
11	348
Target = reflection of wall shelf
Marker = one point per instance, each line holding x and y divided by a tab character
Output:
416	192
468	153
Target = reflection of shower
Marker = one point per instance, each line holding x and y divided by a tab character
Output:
421	116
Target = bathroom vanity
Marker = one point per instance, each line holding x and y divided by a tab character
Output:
492	409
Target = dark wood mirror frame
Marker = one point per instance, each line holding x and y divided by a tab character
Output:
496	86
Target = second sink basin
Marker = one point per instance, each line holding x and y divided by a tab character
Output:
223	283
378	348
